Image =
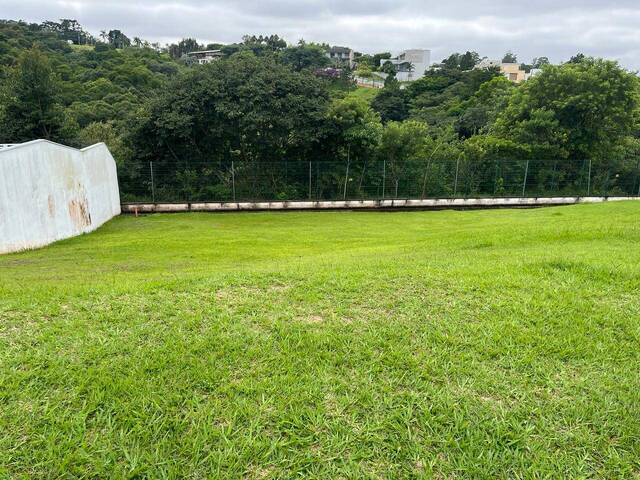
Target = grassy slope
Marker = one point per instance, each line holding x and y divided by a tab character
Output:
450	344
365	93
80	48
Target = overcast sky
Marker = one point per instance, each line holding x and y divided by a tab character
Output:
553	28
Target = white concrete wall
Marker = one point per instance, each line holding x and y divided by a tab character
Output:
49	192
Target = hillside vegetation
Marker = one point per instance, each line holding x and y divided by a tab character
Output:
490	344
272	108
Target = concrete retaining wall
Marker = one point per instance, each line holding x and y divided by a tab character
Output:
49	192
426	204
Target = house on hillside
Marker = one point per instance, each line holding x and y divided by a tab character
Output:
341	56
410	64
205	56
511	71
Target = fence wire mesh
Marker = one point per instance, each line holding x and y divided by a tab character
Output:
379	179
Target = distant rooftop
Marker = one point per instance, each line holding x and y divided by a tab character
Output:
206	52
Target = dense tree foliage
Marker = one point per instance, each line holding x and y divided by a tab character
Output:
392	103
30	101
583	109
73	86
271	119
305	56
248	109
461	61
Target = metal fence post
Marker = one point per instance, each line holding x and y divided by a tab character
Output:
455	183
589	180
310	182
153	186
524	182
384	176
424	180
346	180
233	180
555	184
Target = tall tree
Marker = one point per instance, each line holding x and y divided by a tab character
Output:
584	108
510	57
118	39
183	47
469	60
305	55
31	104
391	103
539	62
253	106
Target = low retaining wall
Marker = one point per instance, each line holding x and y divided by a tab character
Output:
426	204
49	192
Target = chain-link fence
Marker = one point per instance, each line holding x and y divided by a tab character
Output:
383	179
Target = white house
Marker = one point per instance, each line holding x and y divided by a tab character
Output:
205	56
410	64
341	56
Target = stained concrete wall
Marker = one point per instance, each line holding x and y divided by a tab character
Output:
49	192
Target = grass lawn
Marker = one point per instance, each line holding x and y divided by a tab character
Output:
81	48
486	344
365	93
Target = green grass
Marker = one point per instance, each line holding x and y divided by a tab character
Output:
487	344
365	93
82	48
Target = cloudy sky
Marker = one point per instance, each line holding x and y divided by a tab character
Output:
553	28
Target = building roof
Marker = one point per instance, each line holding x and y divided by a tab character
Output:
205	52
340	50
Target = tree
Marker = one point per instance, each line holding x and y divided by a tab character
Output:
439	97
482	109
356	130
304	56
583	109
31	102
391	103
389	68
408	67
364	71
68	30
274	42
463	62
469	60
375	60
366	60
391	81
184	46
103	132
510	57
118	39
452	61
539	62
356	123
249	109
577	58
401	144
